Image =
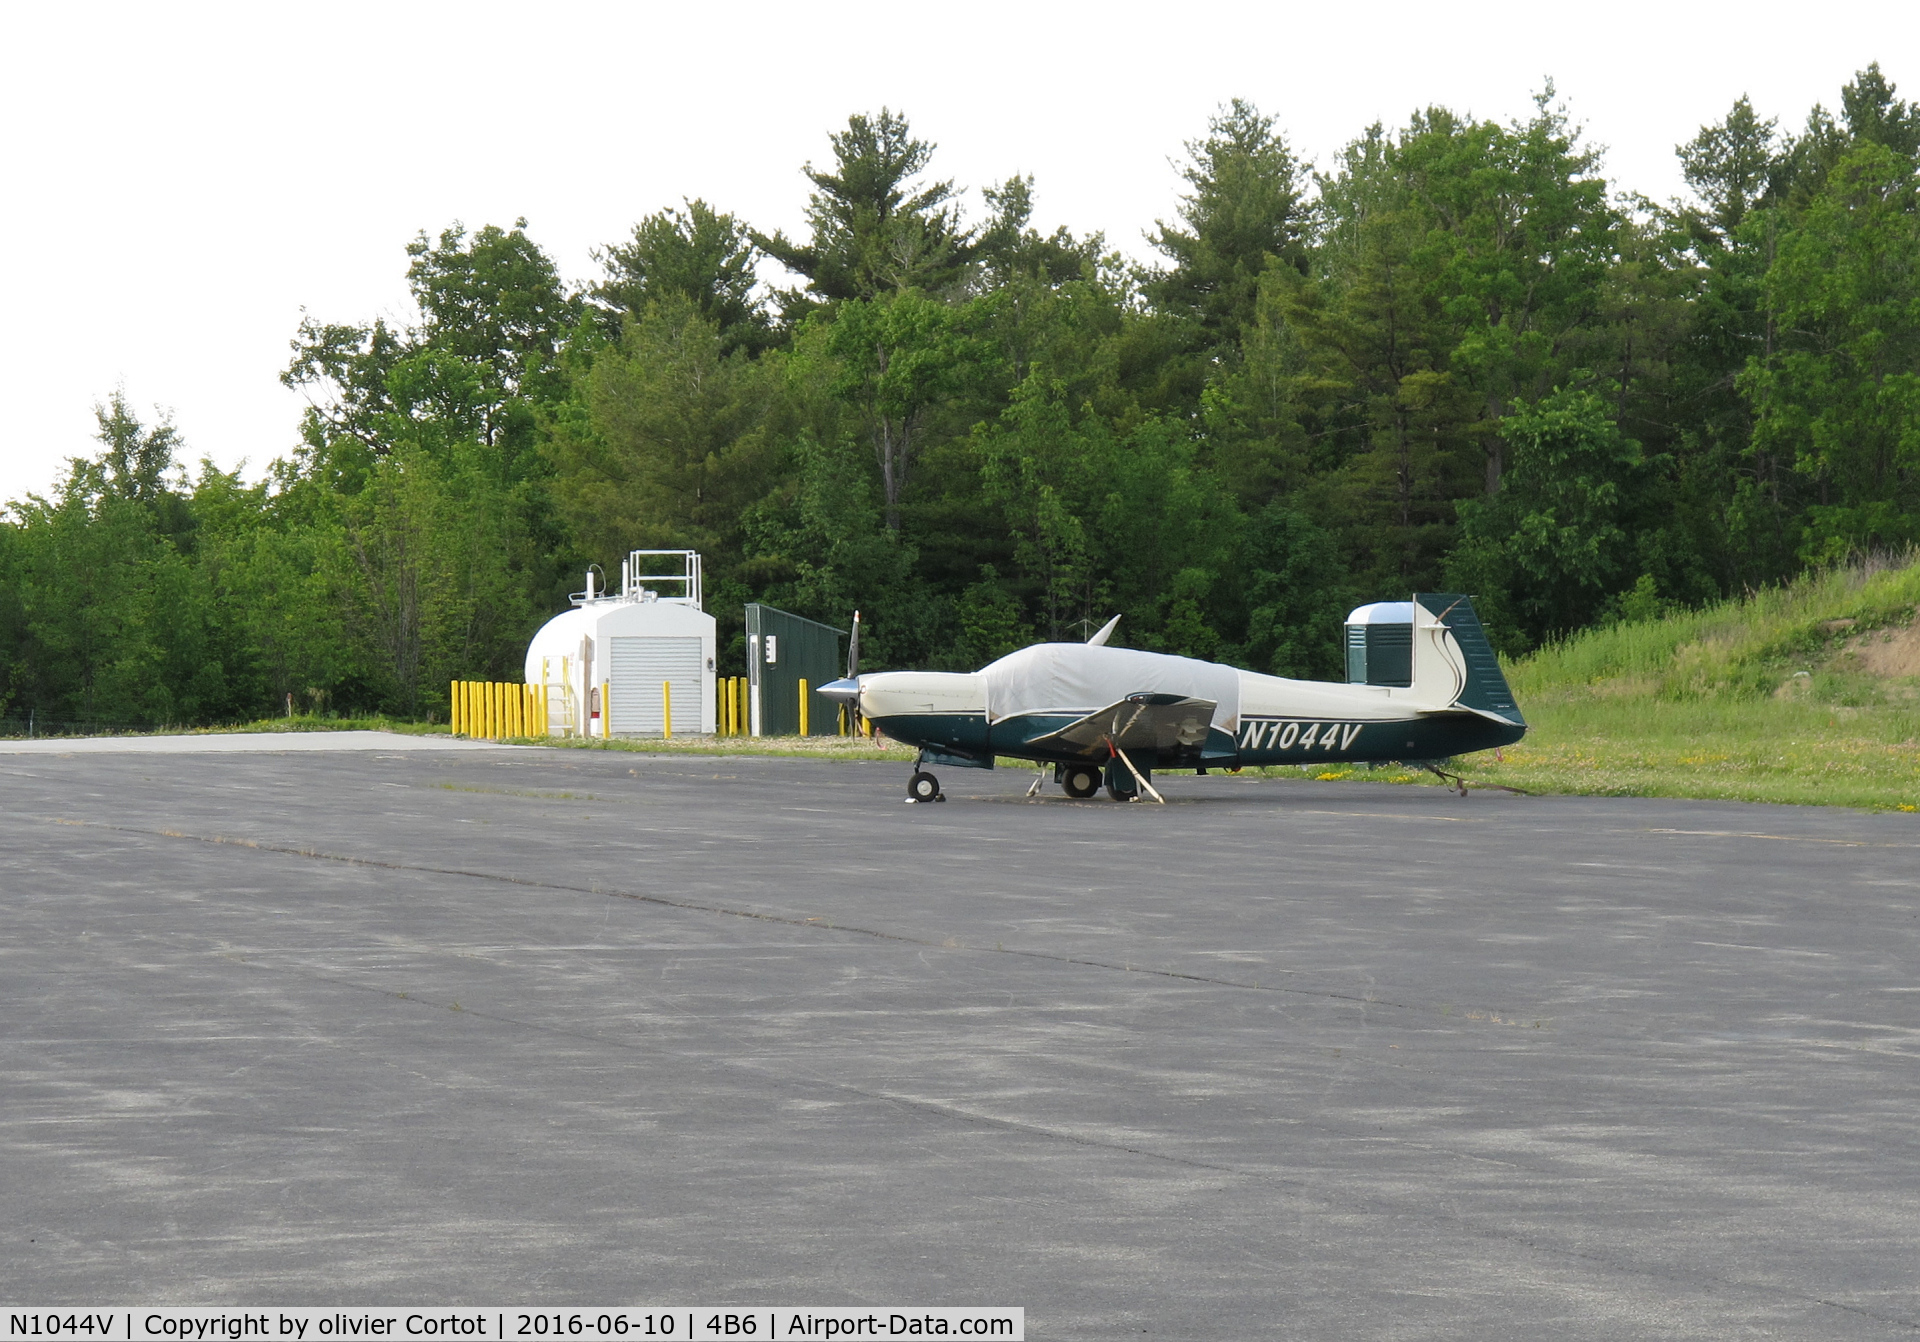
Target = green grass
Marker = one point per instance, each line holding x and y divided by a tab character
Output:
317	724
293	724
1732	750
1753	699
1735	648
829	747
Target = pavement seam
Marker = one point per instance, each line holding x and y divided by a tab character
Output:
1497	1017
1781	838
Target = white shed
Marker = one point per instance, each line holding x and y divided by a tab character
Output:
630	645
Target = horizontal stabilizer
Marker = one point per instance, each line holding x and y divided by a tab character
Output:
1461	710
1167	723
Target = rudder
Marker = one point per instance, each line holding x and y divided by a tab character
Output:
1486	685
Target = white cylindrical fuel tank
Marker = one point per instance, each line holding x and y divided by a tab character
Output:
631	647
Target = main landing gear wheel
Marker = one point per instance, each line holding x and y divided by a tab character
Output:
923	786
1121	784
1080	781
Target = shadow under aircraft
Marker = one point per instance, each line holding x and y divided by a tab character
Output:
1423	685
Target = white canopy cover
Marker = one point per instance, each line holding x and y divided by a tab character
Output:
1080	678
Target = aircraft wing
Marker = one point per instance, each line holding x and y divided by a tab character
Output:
1163	722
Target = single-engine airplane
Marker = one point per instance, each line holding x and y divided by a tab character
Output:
1423	685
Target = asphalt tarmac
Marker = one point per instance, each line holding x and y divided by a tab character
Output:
1278	1059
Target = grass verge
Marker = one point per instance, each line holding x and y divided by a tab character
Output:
1805	694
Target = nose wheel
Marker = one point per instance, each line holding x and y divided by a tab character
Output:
923	786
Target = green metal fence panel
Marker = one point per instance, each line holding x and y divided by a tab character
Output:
782	651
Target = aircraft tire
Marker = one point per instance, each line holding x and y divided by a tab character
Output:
1080	781
1120	782
923	786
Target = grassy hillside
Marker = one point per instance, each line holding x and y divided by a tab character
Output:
1808	693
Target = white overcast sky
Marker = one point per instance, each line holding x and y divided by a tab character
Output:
182	179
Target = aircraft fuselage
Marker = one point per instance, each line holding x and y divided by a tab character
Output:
1280	721
1424	685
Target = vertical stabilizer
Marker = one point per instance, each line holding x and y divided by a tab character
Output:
1485	689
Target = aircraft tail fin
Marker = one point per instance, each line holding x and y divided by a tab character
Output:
1478	685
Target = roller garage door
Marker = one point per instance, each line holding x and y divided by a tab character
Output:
638	666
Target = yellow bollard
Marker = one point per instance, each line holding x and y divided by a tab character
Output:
666	709
606	709
803	709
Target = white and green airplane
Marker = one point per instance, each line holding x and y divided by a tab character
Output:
1423	685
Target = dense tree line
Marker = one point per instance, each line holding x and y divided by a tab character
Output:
1457	358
